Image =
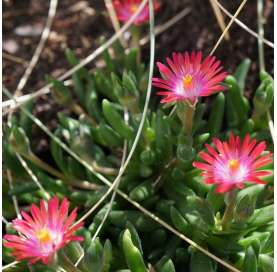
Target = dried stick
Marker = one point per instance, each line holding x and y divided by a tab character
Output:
115	22
219	18
43	39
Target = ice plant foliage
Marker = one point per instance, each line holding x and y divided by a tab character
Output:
188	77
46	230
126	8
233	163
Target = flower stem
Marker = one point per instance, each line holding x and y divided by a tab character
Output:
185	112
229	211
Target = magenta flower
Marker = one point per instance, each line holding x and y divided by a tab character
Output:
126	8
233	163
42	233
188	78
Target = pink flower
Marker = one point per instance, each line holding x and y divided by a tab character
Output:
233	163
126	8
42	233
188	78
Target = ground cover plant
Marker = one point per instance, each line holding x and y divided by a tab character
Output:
151	166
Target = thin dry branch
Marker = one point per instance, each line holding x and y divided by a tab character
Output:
114	20
219	18
14	59
41	44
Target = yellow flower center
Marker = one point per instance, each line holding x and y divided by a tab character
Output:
134	8
187	81
44	236
233	165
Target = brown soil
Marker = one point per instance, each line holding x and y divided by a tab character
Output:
79	24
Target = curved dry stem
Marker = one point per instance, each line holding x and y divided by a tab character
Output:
114	20
104	170
219	18
41	44
35	58
15	59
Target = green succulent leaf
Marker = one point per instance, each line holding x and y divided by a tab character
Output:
200	262
250	261
132	254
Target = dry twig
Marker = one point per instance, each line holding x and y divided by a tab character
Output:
219	18
114	20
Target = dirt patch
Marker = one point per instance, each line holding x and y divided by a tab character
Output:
79	24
